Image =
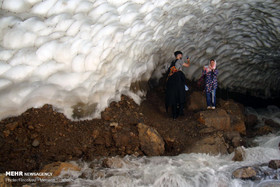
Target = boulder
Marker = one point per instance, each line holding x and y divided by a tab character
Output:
151	142
239	154
213	144
274	164
114	162
264	130
236	112
234	109
238	125
246	173
251	121
197	101
57	167
271	123
219	119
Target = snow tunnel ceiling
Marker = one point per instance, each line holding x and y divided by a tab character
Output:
64	52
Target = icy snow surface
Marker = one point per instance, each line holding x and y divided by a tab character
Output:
64	52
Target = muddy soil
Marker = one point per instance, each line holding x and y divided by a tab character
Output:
41	136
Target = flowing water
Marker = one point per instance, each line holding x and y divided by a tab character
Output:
198	170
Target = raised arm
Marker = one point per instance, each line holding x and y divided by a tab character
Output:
187	64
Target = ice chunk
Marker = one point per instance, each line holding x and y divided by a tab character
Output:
19	72
17	38
15	5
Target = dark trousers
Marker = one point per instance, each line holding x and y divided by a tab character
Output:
177	110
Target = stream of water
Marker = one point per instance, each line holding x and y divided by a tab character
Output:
198	170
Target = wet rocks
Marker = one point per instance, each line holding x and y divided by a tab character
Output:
57	167
264	130
259	172
246	173
239	154
271	123
114	162
251	121
151	142
274	164
233	139
238	125
219	119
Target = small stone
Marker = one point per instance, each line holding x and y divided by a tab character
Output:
274	164
30	127
239	154
114	124
236	141
6	133
12	126
35	143
114	162
95	134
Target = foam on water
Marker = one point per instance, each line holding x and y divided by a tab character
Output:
79	51
196	170
193	170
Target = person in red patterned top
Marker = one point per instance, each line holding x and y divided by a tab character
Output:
211	83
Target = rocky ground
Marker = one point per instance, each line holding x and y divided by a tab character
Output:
41	136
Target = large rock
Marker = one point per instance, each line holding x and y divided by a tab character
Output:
151	142
57	167
234	139
213	144
197	101
237	125
274	164
219	119
236	114
251	121
247	173
234	109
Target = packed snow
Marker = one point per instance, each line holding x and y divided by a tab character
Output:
65	52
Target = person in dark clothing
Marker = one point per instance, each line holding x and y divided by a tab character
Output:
175	86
